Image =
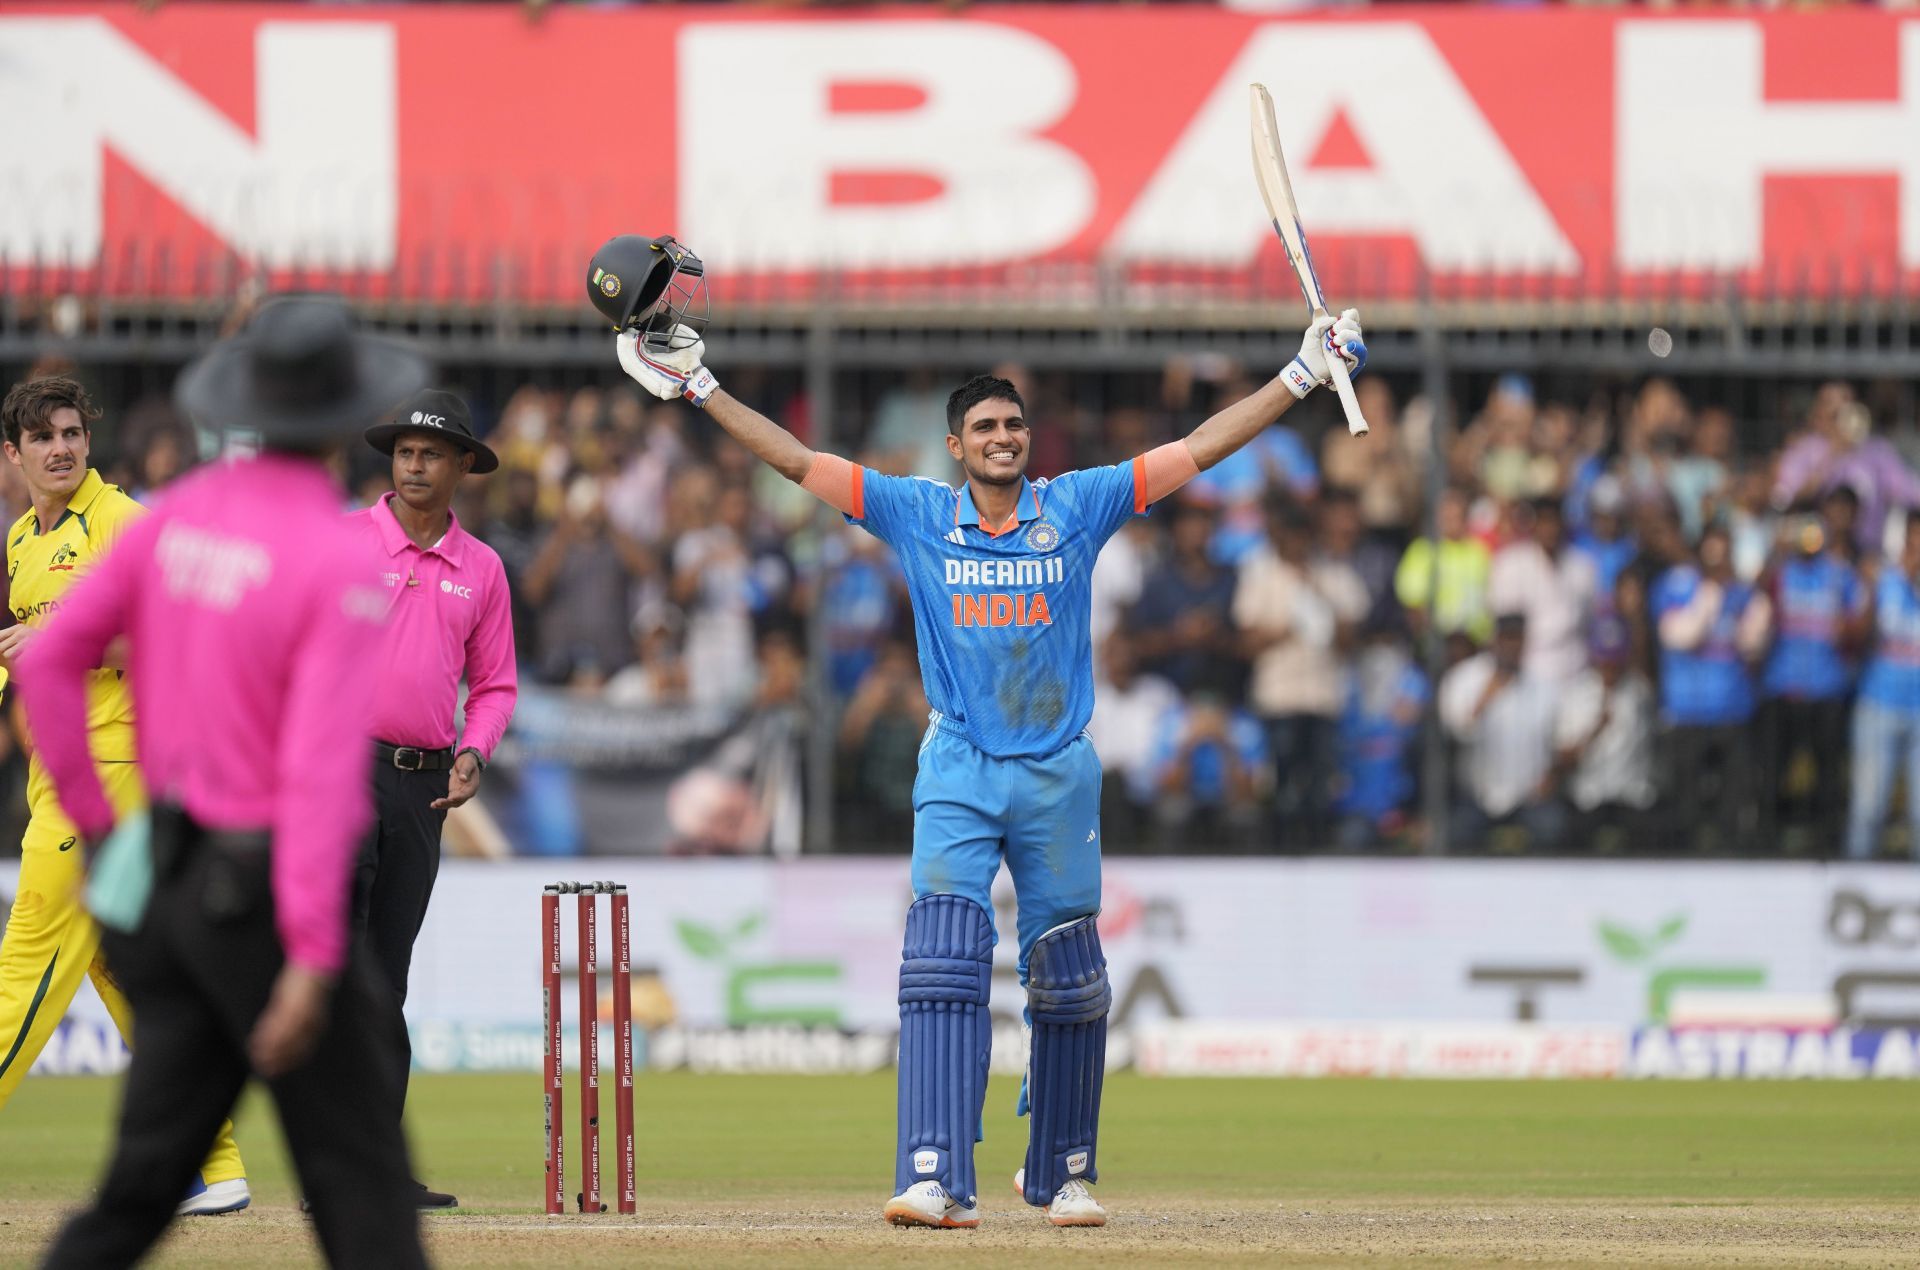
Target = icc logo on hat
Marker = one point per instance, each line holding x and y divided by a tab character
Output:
431	421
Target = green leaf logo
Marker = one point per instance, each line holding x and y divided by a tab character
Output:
1622	942
1630	946
700	941
715	943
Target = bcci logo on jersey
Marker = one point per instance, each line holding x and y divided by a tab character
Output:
1042	537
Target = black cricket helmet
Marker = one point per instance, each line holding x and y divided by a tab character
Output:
651	285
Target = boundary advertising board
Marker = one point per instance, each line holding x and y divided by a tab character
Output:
1291	966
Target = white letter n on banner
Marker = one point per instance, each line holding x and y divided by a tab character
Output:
760	144
317	187
1698	139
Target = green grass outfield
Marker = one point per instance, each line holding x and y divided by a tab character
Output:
726	1144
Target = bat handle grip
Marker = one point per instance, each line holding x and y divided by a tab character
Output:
1343	387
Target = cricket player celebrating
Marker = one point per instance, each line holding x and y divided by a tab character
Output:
51	942
999	571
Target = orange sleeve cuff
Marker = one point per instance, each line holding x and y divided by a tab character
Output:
838	483
1161	471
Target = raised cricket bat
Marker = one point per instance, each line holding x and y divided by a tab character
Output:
1270	170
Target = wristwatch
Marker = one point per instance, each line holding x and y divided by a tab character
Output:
478	757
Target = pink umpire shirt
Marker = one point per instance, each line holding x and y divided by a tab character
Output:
252	612
449	613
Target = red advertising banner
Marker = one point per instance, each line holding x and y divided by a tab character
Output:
466	154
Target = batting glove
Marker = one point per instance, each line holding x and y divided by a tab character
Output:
1328	335
667	374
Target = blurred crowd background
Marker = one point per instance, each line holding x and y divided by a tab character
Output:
1581	591
1636	618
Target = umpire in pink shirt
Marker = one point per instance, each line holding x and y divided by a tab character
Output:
250	616
448	618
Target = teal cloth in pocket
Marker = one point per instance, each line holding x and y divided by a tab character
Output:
121	881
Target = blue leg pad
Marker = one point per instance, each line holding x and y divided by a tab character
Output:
946	1040
1068	997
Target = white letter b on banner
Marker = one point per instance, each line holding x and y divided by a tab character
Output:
760	144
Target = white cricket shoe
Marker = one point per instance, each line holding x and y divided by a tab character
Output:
204	1200
1073	1204
928	1204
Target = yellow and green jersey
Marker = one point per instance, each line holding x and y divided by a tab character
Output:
40	568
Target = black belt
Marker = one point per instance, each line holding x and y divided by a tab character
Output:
176	834
411	758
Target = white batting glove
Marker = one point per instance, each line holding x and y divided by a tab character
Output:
667	374
1340	336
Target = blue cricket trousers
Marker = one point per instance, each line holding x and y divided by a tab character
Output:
1042	815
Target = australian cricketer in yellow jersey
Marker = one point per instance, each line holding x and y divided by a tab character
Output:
51	942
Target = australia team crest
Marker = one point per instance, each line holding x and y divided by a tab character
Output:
1043	536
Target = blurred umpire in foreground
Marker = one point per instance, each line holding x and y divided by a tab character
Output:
250	616
448	615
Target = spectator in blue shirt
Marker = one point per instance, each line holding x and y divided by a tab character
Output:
1379	730
1886	721
1817	603
1182	625
1605	542
1210	769
1239	486
1710	626
862	605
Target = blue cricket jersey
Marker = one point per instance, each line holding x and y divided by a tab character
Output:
1207	772
1241	481
1376	741
1706	685
1610	560
1002	615
1812	600
1893	676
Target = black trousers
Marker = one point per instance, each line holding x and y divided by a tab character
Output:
1303	748
1708	801
393	882
198	974
1822	729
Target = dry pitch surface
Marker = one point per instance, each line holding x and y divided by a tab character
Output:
1334	1233
739	1170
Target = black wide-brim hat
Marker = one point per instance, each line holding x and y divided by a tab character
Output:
439	413
299	374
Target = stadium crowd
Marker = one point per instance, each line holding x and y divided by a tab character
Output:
1649	636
